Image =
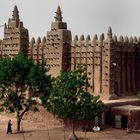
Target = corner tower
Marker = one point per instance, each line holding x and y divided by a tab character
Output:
58	56
16	37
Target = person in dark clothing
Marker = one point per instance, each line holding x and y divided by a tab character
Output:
9	127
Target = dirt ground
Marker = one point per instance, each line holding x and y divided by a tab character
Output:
34	130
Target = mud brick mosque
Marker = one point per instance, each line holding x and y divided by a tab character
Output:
114	63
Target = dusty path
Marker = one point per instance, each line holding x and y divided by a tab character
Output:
39	131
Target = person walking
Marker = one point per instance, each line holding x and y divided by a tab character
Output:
9	127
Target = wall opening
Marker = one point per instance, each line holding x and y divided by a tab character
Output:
124	121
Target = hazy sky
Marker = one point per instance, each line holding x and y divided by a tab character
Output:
82	16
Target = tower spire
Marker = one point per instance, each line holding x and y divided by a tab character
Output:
15	15
58	16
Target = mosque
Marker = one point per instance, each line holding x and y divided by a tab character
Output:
113	62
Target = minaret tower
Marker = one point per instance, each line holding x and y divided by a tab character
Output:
58	56
16	37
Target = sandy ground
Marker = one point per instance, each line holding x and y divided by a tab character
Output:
41	131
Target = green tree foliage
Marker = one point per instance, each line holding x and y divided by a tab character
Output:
22	84
70	99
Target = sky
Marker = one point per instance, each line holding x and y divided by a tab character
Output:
82	16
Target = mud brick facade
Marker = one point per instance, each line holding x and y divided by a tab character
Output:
113	63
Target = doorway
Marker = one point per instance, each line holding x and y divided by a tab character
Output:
124	121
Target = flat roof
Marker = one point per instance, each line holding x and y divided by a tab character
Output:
122	100
126	107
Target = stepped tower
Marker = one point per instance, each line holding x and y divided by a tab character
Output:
16	37
58	46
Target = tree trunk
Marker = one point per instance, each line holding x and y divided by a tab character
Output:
64	131
73	135
18	122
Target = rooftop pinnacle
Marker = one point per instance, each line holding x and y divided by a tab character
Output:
58	16
15	13
109	32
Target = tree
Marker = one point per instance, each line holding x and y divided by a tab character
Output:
22	83
70	99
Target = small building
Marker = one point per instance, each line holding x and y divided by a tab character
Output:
126	115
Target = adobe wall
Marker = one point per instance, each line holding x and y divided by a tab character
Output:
113	64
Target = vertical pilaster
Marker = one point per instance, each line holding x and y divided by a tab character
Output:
133	74
124	73
129	73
